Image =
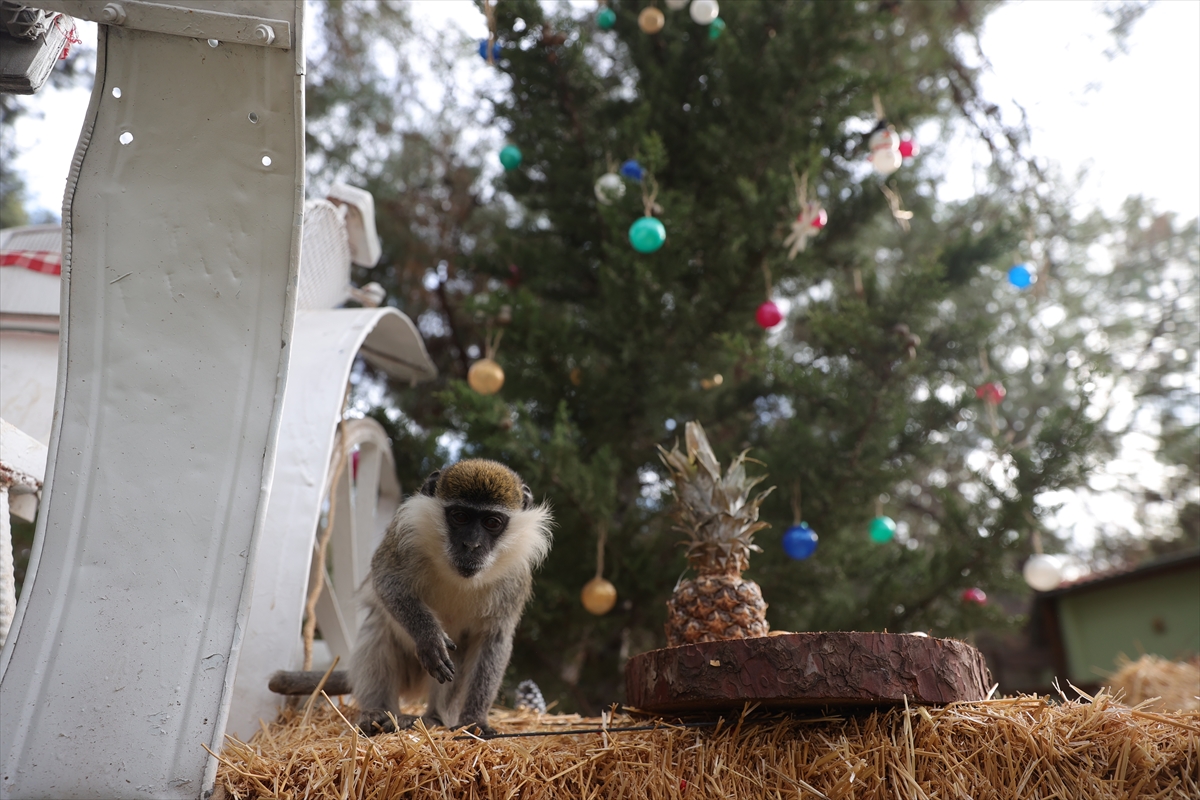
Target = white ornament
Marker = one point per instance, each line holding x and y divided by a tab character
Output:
609	188
1042	572
676	5
885	151
704	11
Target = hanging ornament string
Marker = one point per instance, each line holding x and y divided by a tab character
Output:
649	194
766	269
489	12
599	595
796	503
896	206
491	342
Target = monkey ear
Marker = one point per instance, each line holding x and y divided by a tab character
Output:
430	485
527	497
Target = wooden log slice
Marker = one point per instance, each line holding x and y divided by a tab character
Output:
807	670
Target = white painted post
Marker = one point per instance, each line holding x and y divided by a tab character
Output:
182	223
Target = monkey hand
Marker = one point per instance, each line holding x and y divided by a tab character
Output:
434	655
478	728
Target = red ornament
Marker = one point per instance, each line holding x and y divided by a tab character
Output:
991	393
768	315
682	784
820	219
974	595
514	276
908	148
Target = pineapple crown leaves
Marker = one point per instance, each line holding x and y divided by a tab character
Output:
714	510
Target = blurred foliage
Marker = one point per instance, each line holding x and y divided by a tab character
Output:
608	352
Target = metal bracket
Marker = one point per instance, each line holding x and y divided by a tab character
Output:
179	20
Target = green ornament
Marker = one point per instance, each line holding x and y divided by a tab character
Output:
510	156
715	28
882	529
647	235
606	19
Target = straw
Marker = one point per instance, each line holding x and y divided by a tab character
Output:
1015	747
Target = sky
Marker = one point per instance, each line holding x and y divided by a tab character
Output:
1131	120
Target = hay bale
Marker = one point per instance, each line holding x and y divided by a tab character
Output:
1158	684
1007	748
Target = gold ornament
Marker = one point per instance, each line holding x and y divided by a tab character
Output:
576	376
714	381
651	20
598	596
485	376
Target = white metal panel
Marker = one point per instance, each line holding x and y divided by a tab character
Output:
28	375
180	260
325	343
26	292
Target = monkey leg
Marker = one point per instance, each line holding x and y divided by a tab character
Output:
382	668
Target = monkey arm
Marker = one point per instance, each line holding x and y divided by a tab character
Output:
433	645
485	671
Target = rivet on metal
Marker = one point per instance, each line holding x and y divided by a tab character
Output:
113	14
264	34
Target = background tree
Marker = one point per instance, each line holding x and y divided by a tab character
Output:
609	351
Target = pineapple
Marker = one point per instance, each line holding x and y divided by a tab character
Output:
720	519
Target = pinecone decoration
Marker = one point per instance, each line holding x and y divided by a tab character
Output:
529	696
720	518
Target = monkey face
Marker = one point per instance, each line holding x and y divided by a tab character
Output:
472	533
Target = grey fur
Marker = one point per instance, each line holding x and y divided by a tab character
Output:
443	609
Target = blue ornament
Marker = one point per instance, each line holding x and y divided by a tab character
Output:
799	541
1021	276
496	50
633	170
647	235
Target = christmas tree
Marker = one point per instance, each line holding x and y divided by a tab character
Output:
887	393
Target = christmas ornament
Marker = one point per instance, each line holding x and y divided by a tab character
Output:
1022	276
510	157
633	170
609	188
991	393
711	383
704	11
809	221
884	144
799	541
768	315
908	148
677	5
651	20
882	529
529	696
1042	572
485	376
647	235
716	28
497	51
598	596
606	18
975	595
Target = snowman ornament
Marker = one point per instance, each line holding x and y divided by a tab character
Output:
885	155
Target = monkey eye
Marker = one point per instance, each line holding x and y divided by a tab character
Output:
493	524
460	517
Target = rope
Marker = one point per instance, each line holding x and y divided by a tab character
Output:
314	592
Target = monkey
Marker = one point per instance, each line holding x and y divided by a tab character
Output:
446	589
